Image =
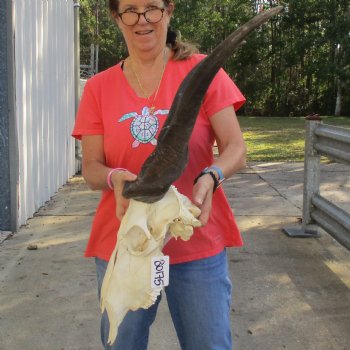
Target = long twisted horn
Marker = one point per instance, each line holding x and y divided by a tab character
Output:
169	158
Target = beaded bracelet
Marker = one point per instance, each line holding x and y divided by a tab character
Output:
211	173
109	176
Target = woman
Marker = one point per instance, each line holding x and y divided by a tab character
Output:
119	118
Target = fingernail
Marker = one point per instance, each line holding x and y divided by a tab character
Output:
199	201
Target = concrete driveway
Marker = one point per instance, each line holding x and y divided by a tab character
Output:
289	293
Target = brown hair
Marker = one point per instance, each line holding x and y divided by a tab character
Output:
181	49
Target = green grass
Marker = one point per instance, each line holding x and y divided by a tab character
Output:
279	139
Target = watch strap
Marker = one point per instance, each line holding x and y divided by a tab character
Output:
218	171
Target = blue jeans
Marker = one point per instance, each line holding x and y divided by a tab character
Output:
199	300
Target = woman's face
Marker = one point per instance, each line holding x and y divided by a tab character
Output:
144	36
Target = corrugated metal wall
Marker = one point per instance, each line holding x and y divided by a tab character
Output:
44	49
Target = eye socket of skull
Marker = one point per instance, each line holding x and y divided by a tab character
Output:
163	214
137	240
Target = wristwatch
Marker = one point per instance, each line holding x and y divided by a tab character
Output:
216	174
219	172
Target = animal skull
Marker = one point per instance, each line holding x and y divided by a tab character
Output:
142	234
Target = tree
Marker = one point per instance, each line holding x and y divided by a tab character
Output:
98	27
297	63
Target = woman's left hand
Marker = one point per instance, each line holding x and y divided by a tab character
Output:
202	197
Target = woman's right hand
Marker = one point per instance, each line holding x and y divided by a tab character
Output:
118	179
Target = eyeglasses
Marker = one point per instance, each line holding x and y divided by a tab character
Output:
130	18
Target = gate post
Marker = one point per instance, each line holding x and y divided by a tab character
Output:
78	155
311	173
311	181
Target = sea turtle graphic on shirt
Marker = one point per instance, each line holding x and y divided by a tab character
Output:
145	126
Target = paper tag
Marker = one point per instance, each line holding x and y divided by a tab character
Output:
159	271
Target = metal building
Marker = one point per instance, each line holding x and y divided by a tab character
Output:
37	104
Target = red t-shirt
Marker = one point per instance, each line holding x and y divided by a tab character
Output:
110	107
